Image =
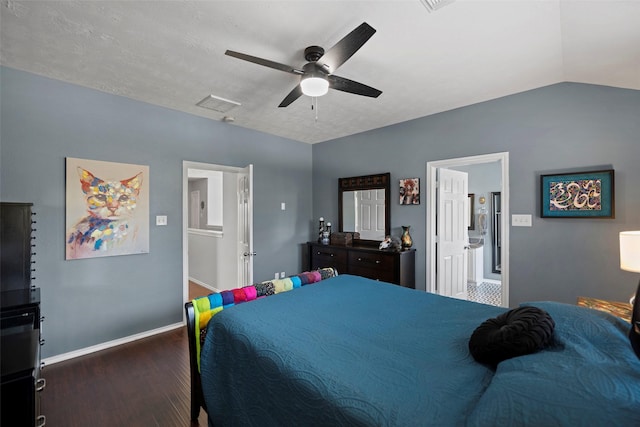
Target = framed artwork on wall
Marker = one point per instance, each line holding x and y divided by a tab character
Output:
578	195
107	209
410	191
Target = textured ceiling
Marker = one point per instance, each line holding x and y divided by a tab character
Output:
171	53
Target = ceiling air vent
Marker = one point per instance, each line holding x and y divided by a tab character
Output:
218	104
433	5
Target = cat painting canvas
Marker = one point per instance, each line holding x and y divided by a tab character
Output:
107	209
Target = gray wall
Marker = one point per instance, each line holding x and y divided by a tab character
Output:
88	302
563	127
558	128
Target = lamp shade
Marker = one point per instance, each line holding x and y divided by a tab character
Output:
630	251
314	86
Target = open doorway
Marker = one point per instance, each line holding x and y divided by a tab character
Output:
494	243
217	227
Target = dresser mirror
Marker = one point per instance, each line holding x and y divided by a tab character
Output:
363	206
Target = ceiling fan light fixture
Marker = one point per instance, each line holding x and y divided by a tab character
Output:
314	86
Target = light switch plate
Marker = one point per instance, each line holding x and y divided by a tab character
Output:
521	220
161	220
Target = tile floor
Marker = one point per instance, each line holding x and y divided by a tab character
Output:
485	293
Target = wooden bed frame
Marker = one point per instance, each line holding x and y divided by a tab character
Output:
197	399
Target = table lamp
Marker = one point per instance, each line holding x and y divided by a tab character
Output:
630	254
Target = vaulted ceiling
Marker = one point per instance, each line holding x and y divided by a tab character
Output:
172	54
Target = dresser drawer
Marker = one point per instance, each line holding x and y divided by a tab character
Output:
373	273
324	256
370	260
372	265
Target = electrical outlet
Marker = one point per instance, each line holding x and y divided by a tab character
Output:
521	220
282	276
161	220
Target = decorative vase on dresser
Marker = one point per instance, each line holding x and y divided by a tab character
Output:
406	239
363	260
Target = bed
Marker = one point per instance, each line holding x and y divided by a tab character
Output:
349	351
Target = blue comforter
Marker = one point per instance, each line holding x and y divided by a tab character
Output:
350	351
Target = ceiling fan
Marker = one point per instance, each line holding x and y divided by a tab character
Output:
316	76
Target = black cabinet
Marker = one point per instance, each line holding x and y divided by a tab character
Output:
366	261
17	244
20	319
21	341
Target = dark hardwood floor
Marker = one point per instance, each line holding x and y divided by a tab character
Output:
143	383
196	290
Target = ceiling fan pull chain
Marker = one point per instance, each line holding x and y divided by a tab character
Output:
315	99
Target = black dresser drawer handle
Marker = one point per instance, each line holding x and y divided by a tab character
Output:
366	260
325	253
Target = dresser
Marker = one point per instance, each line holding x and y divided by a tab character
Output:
21	319
366	261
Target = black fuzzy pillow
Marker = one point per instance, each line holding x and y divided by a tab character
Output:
523	330
634	333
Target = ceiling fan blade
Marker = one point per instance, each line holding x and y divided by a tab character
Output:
345	48
264	62
346	85
293	95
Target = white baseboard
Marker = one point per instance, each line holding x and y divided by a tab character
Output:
204	285
495	282
88	350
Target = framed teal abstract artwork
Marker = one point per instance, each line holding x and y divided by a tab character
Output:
578	195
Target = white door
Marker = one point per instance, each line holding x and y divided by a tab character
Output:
245	226
452	226
433	167
194	209
370	217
